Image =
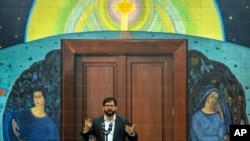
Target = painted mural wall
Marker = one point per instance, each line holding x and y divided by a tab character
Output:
31	44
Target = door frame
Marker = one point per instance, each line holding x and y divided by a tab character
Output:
72	47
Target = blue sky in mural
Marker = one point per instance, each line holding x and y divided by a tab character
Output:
14	14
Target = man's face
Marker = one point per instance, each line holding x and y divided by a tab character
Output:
109	108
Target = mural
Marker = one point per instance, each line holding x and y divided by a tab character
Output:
45	75
205	73
32	30
211	118
216	99
28	20
42	68
31	123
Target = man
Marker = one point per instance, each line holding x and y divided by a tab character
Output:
110	127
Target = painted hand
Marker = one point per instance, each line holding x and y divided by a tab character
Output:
15	128
218	109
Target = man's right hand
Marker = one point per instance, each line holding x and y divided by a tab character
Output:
87	125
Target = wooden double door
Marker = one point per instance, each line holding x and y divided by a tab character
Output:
147	77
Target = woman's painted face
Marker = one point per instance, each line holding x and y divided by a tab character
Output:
213	98
39	99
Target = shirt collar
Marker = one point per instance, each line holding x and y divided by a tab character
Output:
105	118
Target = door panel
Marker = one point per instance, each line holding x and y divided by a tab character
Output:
100	80
147	84
96	78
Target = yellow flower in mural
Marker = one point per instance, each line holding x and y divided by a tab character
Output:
190	17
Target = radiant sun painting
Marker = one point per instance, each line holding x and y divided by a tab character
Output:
192	17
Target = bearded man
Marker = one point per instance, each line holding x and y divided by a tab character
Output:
110	126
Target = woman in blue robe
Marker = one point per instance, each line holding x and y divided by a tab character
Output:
30	124
211	120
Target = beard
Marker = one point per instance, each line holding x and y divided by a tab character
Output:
109	112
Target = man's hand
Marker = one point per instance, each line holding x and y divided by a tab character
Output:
130	129
87	125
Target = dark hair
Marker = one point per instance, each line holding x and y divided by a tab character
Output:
109	99
204	97
42	90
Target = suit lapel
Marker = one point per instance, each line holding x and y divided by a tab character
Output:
101	121
117	127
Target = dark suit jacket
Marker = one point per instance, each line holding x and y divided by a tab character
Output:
119	132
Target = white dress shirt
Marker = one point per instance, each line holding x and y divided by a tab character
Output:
107	122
